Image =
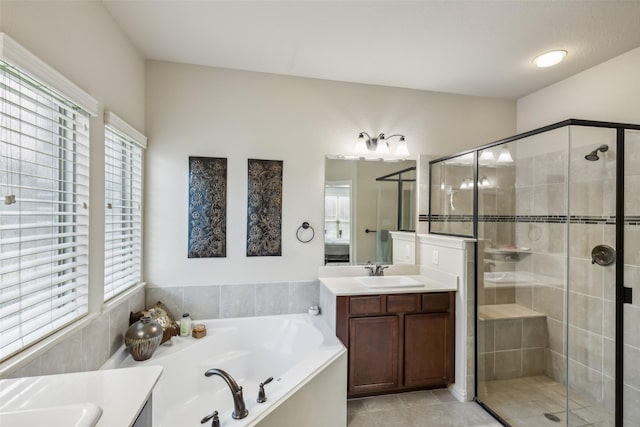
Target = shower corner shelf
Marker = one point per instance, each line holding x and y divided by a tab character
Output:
506	254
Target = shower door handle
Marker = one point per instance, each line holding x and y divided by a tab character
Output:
628	295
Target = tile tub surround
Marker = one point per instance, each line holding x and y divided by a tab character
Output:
240	300
86	349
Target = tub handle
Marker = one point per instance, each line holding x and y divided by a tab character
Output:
262	397
214	417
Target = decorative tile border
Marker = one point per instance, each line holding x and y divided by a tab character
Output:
549	219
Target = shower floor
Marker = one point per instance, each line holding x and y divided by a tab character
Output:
522	402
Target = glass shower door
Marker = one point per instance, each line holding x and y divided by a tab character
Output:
591	308
631	311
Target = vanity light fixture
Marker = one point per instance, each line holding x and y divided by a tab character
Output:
487	156
483	182
504	156
367	144
549	59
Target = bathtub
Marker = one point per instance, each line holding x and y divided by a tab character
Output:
306	360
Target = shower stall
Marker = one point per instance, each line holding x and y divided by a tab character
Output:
556	215
395	209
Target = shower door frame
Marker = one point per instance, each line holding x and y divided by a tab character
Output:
623	293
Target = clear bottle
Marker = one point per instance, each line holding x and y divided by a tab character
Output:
185	325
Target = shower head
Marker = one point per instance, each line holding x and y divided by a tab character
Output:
593	156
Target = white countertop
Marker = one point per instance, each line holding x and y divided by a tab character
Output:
121	393
341	286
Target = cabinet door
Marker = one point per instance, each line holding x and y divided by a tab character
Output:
373	354
428	349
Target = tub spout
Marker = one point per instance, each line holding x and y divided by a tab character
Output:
239	407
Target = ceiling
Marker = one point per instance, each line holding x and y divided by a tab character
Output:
467	47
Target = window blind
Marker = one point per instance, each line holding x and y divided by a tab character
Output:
123	211
44	189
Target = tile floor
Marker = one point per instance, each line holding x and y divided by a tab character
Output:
522	402
429	408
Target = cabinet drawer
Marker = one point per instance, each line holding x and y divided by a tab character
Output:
365	305
402	303
435	302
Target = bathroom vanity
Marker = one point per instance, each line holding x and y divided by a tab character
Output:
399	338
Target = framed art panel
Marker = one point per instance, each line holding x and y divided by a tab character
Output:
207	207
264	208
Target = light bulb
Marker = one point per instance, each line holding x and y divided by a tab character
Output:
549	59
487	156
505	156
402	149
360	146
383	147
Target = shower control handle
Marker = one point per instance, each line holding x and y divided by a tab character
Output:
603	255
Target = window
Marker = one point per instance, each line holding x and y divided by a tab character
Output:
337	217
123	206
44	189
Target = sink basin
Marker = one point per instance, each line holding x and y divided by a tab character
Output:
75	415
389	282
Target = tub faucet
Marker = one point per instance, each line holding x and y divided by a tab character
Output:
239	407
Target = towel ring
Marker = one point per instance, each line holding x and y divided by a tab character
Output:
305	225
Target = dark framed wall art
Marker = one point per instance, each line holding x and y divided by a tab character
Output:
207	207
264	208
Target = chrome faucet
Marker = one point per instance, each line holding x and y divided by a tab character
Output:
377	271
369	267
380	269
239	407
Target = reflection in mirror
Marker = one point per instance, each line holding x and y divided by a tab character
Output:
451	194
365	201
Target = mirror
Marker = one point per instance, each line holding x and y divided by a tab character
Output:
365	200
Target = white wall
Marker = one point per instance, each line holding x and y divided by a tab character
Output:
202	111
81	40
608	92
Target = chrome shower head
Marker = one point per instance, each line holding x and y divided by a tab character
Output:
593	156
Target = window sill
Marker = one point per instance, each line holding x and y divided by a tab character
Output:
34	351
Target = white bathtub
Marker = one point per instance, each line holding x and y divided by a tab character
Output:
306	360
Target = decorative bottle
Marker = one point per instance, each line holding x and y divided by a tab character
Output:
185	325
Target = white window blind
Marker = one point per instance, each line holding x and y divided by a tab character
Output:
123	210
44	188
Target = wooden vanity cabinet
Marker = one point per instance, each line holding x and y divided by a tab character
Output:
397	342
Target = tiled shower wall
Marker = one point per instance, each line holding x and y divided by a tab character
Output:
631	391
541	188
240	300
533	200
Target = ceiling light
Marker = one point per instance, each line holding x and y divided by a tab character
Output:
549	59
380	145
